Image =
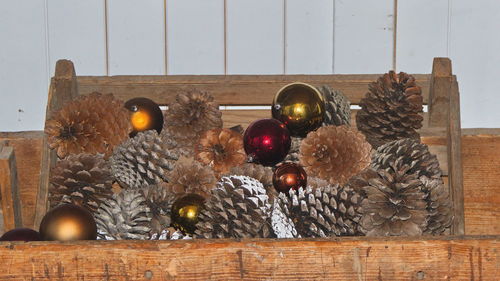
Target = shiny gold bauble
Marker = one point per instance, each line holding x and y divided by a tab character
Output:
68	222
185	212
300	107
145	115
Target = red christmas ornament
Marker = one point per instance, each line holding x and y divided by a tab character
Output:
21	234
267	141
288	176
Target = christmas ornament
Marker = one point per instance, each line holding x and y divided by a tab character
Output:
334	153
190	176
142	160
289	176
439	206
337	107
81	179
21	234
300	107
159	199
145	115
221	149
186	211
93	123
68	222
391	110
238	208
266	141
124	216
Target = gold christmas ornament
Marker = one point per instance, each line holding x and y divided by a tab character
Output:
68	222
185	212
145	115
300	106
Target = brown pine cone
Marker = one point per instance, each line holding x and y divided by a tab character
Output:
221	149
334	153
391	109
159	200
190	176
337	107
81	179
294	152
439	206
93	124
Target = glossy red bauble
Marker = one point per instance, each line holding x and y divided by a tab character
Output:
288	176
267	141
21	234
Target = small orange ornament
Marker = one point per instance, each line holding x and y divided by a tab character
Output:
289	175
145	115
68	222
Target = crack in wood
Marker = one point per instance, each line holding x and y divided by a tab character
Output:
240	261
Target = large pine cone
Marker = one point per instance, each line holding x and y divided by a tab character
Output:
188	117
142	160
337	107
394	205
407	152
221	149
90	124
261	173
439	206
294	152
238	208
323	212
334	153
391	109
160	201
125	216
191	177
81	179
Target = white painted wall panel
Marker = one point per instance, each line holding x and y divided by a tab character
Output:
363	36
136	37
255	37
474	50
309	36
23	65
195	46
421	38
77	32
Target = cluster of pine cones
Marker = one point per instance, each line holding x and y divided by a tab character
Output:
130	184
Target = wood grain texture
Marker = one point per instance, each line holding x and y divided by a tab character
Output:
458	258
229	89
439	93
9	189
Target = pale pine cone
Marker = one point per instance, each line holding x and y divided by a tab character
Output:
190	176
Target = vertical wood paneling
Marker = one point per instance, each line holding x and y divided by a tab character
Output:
419	40
363	36
195	31
136	37
255	37
309	36
77	32
23	65
474	49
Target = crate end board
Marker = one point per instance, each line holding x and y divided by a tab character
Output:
9	192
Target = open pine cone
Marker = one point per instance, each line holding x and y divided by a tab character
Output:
294	152
439	206
337	107
191	177
261	173
160	201
93	124
81	179
142	160
334	153
394	205
221	149
124	216
391	109
238	208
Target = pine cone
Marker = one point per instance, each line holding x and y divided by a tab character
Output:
81	179
90	124
408	152
124	216
159	200
191	177
188	117
261	173
334	153
142	160
282	225
439	206
238	208
294	152
221	149
394	205
337	107
323	212
391	109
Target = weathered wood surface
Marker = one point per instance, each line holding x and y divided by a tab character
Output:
439	94
9	189
229	89
453	258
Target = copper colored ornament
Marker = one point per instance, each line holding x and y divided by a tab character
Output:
21	234
145	115
288	176
300	107
185	212
68	222
267	142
